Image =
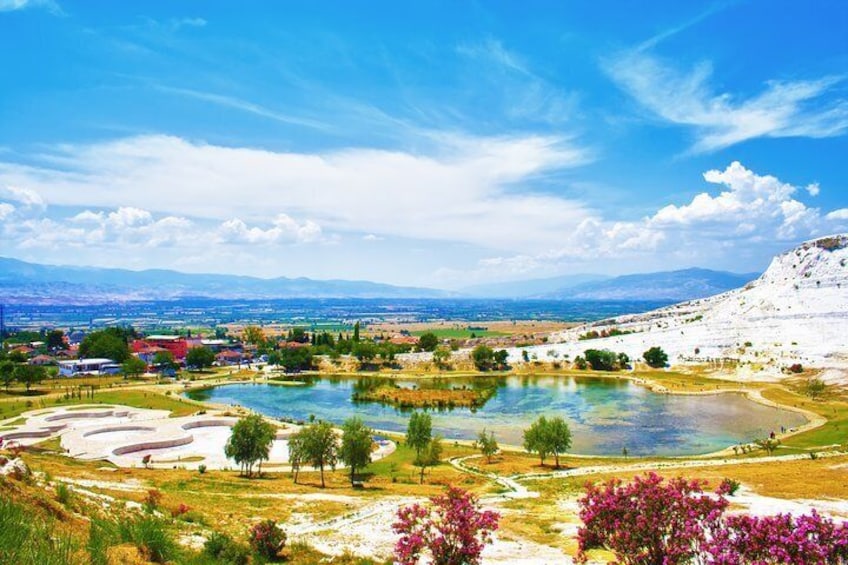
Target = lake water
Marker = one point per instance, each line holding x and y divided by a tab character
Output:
605	414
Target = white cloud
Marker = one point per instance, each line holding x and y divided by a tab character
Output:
460	190
797	108
750	210
372	237
283	229
836	215
6	210
25	196
813	189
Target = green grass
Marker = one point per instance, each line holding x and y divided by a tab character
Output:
458	333
28	539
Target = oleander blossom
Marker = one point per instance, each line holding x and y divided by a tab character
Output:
651	521
452	528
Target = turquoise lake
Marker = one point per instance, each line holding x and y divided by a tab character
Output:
605	414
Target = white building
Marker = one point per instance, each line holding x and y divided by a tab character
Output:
94	366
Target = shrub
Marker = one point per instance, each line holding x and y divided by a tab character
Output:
64	494
223	549
657	358
796	368
267	539
201	469
454	529
730	486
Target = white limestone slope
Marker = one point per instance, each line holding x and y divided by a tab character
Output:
796	312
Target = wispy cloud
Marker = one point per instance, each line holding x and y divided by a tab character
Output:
11	5
655	40
786	108
527	94
245	106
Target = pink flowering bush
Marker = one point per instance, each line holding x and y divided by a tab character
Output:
453	529
651	521
784	539
267	539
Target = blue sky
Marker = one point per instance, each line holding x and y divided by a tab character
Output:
428	143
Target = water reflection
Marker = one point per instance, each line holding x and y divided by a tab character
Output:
606	414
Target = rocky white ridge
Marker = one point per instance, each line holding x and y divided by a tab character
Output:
796	312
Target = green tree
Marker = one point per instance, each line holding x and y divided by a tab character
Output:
428	342
29	375
250	442
200	357
164	361
419	436
500	358
296	455
319	445
56	340
535	440
601	359
253	335
355	451
7	373
558	437
655	357
365	351
483	357
294	359
110	343
431	456
133	366
356	332
487	444
419	431
441	357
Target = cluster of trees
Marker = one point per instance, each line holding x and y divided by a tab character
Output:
109	343
487	359
27	375
602	360
548	436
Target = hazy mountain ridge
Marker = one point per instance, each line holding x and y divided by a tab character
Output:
684	284
21	282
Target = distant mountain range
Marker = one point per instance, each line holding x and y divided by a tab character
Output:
686	284
22	282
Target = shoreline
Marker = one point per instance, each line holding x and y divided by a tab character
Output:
814	420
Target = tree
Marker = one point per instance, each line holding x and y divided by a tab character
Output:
500	358
534	438
294	359
133	366
454	529
548	437
29	375
364	351
110	343
601	359
483	357
815	388
56	340
7	373
164	361
441	357
655	357
428	342
558	437
253	335
419	431
487	444
319	446
356	332
355	451
296	455
250	442
200	357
